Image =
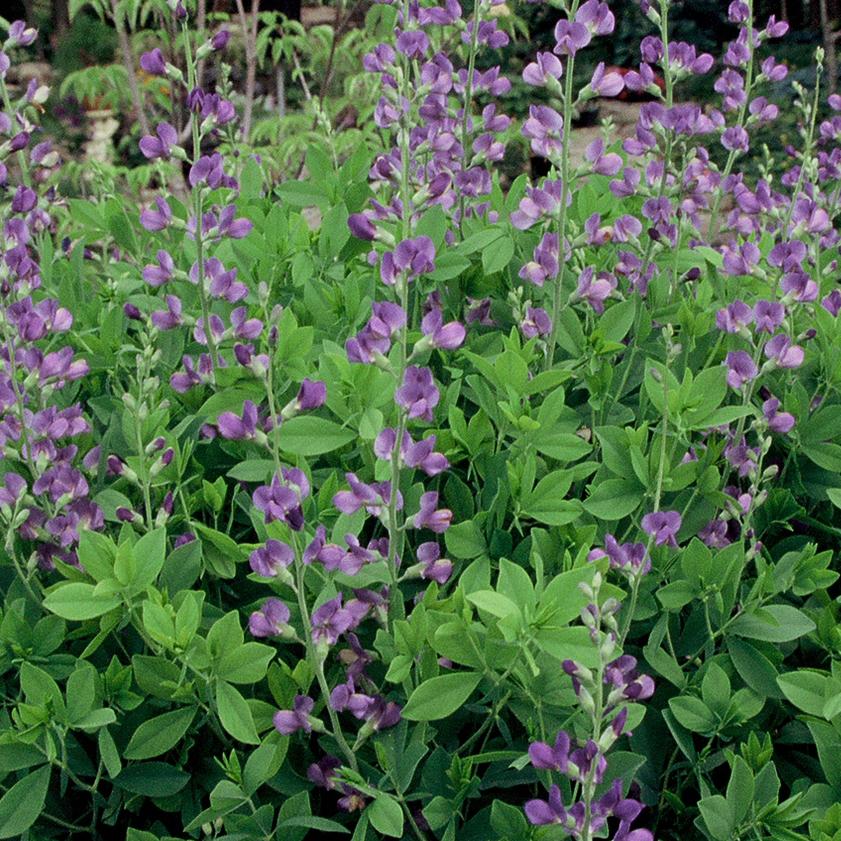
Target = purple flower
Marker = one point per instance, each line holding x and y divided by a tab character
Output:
271	620
595	290
570	37
734	318
153	62
237	428
158	275
319	550
330	621
783	353
21	35
551	758
735	139
413	43
545	128
281	500
159	146
544	266
169	318
158	219
435	568
628	557
832	302
220	40
372	497
430	517
551	811
536	323
13	489
741	368
545	67
270	559
311	395
603	163
439	335
298	718
411	258
606	84
418	393
321	773
769	315
662	526
361	226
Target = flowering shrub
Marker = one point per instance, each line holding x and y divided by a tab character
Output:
391	503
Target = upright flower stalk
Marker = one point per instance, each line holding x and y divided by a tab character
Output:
603	696
44	498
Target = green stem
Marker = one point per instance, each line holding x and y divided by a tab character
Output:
557	295
198	211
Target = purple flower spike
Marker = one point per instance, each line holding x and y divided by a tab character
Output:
291	721
662	526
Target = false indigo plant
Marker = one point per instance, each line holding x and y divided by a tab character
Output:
308	484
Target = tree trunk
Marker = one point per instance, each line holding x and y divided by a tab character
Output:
128	63
829	47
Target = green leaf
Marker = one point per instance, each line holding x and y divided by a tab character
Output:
692	713
246	664
564	595
152	779
76	600
235	715
740	789
157	735
834	495
23	802
807	690
386	816
253	470
440	696
568	644
775	623
149	553
494	603
312	822
614	499
310	436
465	541
717	816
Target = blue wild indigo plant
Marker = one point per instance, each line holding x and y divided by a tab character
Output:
401	501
